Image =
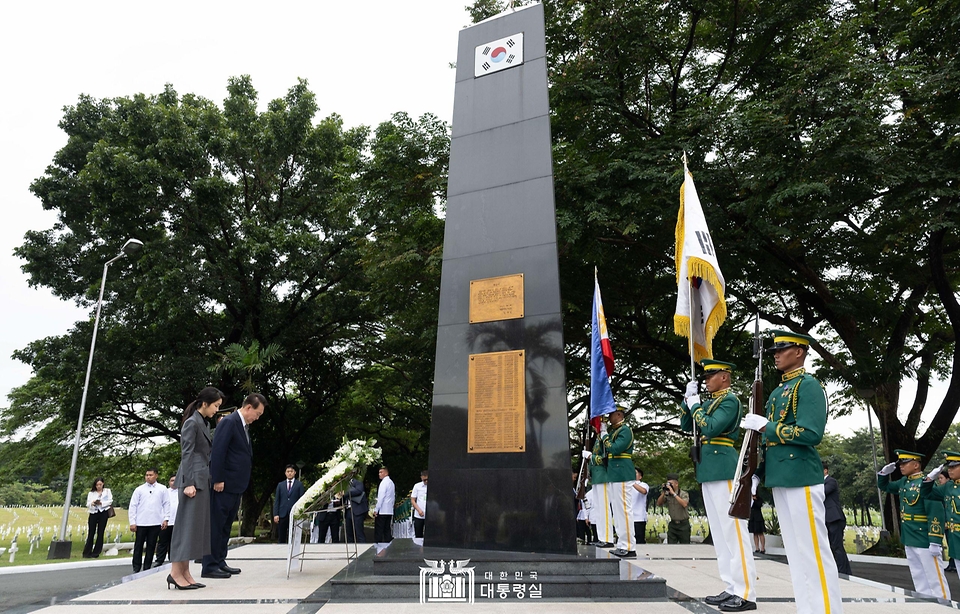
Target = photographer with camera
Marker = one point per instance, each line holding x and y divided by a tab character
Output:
676	500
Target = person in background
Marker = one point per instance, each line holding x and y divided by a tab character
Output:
419	500
676	500
835	519
288	492
356	513
580	509
191	540
640	490
149	513
383	512
756	525
166	535
99	502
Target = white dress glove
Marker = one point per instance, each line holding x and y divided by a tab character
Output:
887	469
692	390
586	454
693	399
603	427
756	485
933	474
754	422
936	550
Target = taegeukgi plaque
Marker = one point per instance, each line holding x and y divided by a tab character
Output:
496	416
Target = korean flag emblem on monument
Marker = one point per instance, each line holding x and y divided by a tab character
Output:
498	55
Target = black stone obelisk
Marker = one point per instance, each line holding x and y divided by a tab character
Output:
501	221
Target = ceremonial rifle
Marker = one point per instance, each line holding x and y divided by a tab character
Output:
742	496
584	466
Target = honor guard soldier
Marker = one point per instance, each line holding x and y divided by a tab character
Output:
600	515
795	420
921	526
621	474
718	418
949	494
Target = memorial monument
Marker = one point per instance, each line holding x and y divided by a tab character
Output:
499	449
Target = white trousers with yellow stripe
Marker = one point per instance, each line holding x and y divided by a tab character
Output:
601	516
731	540
927	573
813	571
621	501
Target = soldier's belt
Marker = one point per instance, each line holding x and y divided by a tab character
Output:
621	456
914	517
952	526
719	441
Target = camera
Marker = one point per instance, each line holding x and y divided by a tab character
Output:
665	490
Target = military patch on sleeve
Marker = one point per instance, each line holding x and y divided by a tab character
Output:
788	432
935	528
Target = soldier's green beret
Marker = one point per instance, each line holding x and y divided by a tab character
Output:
787	338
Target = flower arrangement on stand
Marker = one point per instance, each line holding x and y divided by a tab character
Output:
352	456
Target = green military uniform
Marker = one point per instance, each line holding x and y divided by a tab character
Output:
921	527
921	520
718	418
797	415
601	516
618	449
949	495
621	473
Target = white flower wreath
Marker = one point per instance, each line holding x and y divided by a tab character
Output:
352	454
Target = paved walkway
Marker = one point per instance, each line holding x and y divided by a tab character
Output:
690	572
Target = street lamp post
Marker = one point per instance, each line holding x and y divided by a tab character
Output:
61	549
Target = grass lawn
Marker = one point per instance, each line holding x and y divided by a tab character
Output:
45	521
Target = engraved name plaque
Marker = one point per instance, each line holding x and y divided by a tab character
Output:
496	403
496	298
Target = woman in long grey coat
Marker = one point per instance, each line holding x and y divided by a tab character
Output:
191	540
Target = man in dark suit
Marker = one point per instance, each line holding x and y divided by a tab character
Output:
835	519
359	506
230	463
288	492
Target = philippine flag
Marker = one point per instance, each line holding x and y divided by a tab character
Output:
601	362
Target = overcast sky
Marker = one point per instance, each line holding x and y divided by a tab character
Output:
364	60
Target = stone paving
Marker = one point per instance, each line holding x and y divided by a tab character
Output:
263	586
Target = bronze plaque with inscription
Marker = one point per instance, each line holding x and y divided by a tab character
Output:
496	403
496	298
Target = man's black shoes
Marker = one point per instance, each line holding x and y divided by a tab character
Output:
624	554
216	573
230	570
603	545
737	604
717	599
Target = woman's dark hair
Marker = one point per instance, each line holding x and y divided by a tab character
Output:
207	395
93	486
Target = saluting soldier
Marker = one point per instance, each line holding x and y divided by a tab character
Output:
621	474
921	524
718	418
949	494
600	514
793	427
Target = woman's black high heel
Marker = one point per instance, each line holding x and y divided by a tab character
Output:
171	581
198	585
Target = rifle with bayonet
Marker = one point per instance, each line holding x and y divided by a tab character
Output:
742	496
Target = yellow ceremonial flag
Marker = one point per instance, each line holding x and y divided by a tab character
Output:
700	286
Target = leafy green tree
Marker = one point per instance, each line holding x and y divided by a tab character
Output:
257	226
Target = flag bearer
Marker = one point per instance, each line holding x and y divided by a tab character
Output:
921	526
621	474
791	468
718	419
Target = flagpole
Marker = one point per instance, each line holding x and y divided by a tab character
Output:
695	432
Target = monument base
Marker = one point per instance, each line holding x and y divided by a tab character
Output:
59	550
394	575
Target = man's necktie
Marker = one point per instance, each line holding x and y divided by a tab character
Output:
289	485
